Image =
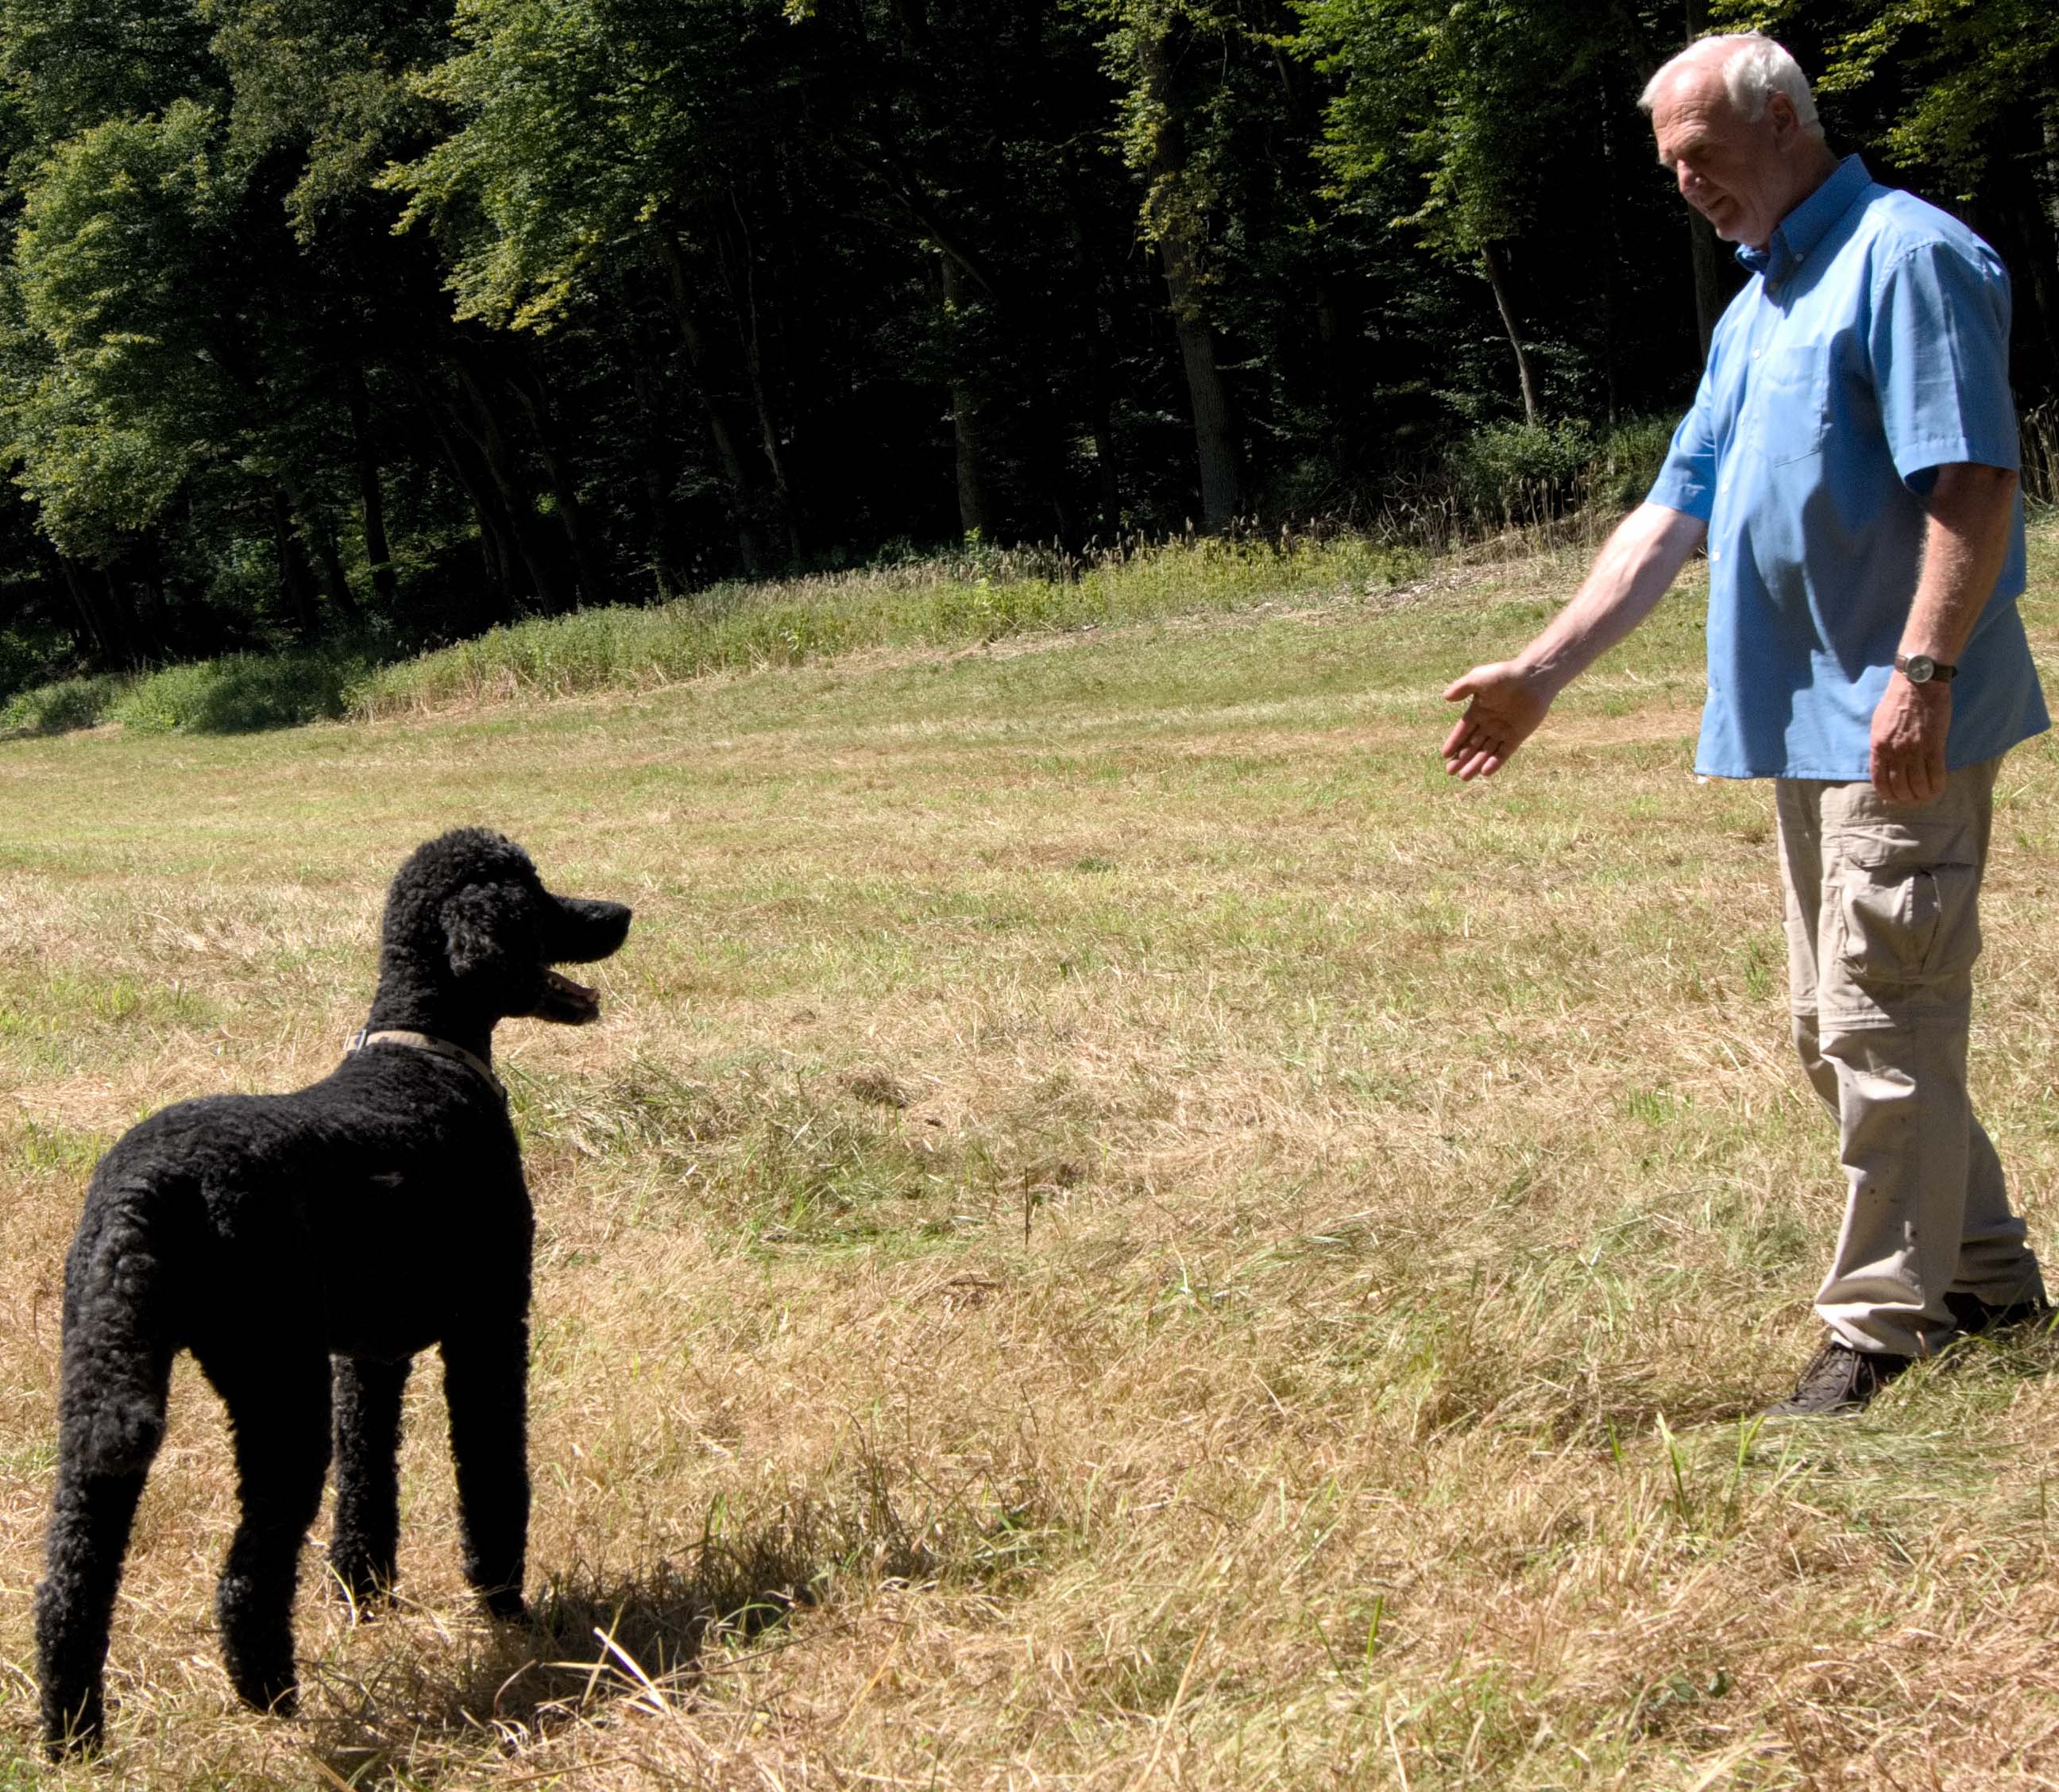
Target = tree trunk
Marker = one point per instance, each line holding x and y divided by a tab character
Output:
968	446
371	500
1101	376
1215	441
1710	293
745	306
295	583
499	459
1497	277
1612	251
320	539
727	457
534	398
497	547
113	637
654	472
1713	286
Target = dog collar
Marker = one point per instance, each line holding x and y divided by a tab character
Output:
435	1047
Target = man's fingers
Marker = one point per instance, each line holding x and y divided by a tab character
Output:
1462	687
1472	750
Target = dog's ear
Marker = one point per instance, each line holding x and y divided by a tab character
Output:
486	928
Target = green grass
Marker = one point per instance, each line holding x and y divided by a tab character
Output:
1118	1229
974	597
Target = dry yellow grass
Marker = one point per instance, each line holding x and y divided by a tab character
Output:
1118	1233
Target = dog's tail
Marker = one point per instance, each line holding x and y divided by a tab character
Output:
118	1343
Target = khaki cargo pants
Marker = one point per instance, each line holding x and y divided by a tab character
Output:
1883	927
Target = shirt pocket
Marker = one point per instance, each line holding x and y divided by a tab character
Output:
1792	388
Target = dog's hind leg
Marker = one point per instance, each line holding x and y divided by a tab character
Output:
366	1537
483	1381
88	1533
279	1405
113	1383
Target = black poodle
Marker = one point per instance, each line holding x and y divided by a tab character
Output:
287	1238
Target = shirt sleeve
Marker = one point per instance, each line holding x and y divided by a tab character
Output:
1939	343
1687	482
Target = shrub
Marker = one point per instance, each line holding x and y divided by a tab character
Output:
52	709
1514	473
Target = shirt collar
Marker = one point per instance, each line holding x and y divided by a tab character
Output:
1808	224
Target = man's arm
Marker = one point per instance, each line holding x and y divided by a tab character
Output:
1634	569
1972	508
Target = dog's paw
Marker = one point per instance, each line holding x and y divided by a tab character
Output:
265	1682
73	1728
366	1588
507	1604
276	1694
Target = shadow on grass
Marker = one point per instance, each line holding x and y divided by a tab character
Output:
587	1645
415	1710
246	693
418	1716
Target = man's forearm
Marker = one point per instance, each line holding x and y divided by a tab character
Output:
1636	567
1971	508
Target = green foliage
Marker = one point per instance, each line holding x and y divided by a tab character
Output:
330	80
581	127
933	604
113	363
318	317
60	707
240	693
1956	78
237	694
1447	112
1515	468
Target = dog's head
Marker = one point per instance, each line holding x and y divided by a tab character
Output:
468	913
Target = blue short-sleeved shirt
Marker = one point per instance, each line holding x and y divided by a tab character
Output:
1872	348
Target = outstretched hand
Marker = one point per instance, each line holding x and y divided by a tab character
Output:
1506	704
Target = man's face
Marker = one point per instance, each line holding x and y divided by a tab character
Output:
1738	172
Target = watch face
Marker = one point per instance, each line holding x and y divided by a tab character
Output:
1918	667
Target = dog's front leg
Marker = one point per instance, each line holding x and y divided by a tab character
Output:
484	1372
366	1538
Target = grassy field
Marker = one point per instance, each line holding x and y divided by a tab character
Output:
1119	1231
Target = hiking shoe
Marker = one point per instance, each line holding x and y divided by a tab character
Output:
1974	1316
1839	1379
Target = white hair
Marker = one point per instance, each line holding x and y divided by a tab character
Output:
1753	68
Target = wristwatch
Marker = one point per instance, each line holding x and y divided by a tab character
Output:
1920	668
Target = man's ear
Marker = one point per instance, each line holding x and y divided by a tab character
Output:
483	928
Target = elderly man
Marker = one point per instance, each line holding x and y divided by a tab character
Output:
1850	460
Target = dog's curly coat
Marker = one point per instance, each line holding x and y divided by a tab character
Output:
363	1219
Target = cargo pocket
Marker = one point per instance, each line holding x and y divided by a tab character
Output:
1909	924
